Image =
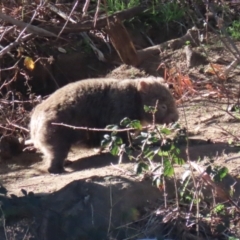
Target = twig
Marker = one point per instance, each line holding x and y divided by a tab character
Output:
9	129
219	190
101	22
17	126
27	26
69	17
15	43
6	83
111	207
232	65
96	13
228	132
60	13
96	129
4	222
85	7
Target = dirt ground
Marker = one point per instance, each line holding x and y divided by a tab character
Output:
213	131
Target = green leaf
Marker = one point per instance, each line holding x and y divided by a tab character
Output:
118	140
188	197
219	208
233	238
177	150
166	131
140	167
168	168
162	153
146	151
221	173
149	155
146	108
125	122
152	140
178	160
114	149
135	124
149	109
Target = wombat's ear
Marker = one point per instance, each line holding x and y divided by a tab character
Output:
143	86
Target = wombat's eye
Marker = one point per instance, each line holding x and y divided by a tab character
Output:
163	107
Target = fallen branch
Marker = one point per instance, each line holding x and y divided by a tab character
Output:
30	28
191	36
100	23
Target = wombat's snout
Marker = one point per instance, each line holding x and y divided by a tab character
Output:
172	118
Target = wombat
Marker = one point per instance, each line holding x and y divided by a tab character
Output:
95	103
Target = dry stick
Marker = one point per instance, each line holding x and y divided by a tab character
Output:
69	17
85	7
47	70
4	221
232	65
220	191
229	68
9	129
14	44
96	13
101	22
222	40
162	162
60	13
25	26
6	83
5	101
124	171
226	111
10	68
17	126
228	132
96	129
6	30
207	19
111	207
30	28
194	180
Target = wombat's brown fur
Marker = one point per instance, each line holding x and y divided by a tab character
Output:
95	103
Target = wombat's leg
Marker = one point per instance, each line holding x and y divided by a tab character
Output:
55	157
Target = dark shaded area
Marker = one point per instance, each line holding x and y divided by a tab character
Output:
85	209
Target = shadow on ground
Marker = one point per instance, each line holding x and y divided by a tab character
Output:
99	208
198	149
